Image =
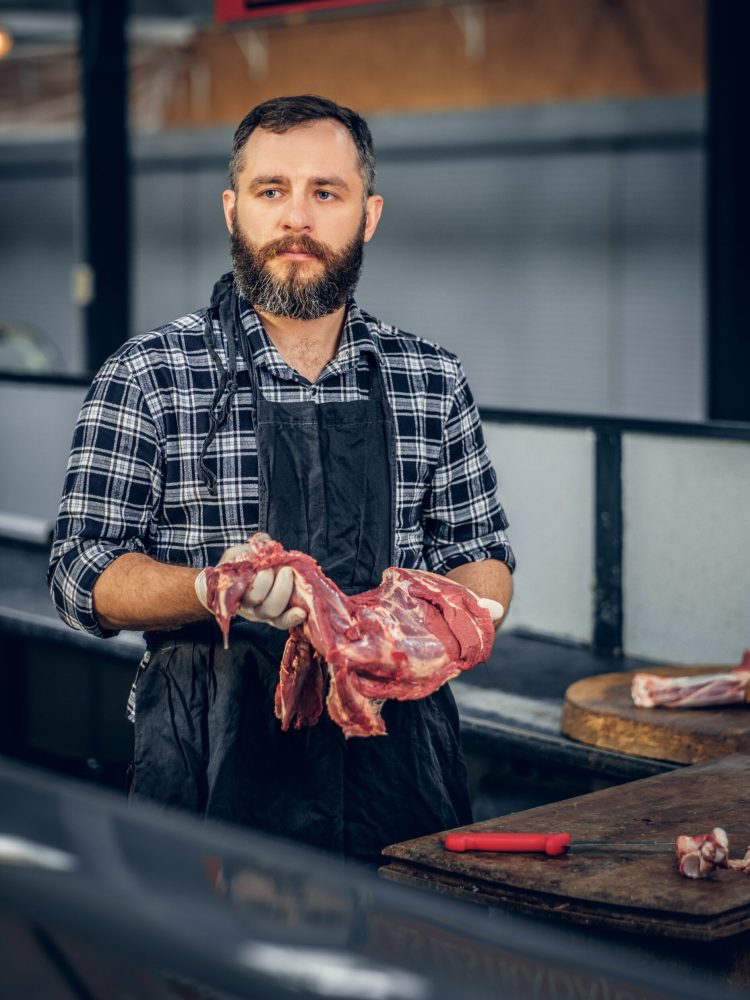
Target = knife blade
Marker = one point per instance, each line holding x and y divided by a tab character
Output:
553	844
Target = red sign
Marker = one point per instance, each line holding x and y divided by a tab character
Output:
248	10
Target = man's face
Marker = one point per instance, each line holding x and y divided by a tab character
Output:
299	220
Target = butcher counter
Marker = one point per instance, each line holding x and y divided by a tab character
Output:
63	696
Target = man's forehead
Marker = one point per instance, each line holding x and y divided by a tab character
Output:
314	144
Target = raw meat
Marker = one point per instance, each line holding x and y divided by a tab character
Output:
698	856
402	640
652	691
741	864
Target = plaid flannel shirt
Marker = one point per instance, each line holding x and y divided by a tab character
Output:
133	483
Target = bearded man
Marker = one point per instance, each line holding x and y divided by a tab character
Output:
281	407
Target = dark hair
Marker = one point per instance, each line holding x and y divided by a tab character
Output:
283	113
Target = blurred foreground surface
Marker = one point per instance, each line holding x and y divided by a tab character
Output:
102	899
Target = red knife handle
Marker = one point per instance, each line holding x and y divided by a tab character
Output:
549	843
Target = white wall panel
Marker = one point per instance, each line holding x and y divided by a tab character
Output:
37	254
503	261
546	484
657	343
38	425
181	243
686	573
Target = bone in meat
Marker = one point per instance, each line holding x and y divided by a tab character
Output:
698	857
402	640
652	691
741	864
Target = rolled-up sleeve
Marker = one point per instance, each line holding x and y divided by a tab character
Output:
463	520
110	495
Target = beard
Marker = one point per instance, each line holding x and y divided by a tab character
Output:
295	295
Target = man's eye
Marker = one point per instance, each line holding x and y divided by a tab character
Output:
325	195
269	193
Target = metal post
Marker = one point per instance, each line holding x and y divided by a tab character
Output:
728	212
608	540
103	279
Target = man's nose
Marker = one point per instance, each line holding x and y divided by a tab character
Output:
297	217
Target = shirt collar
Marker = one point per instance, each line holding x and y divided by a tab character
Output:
356	337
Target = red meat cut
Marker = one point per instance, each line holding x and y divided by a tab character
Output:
693	691
402	640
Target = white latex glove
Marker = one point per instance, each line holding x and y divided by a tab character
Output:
495	608
266	599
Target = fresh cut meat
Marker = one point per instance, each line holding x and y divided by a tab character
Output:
402	640
698	857
696	691
741	864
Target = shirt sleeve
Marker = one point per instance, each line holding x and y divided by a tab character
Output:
110	495
463	520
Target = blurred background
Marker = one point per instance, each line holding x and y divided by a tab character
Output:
543	165
566	208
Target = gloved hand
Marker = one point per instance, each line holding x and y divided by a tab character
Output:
267	598
495	608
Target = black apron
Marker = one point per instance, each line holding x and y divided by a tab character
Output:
206	737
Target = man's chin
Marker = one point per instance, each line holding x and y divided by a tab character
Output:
278	314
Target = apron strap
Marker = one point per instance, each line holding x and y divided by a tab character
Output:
223	308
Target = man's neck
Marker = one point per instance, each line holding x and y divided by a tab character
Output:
307	345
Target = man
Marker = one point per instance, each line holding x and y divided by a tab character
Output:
281	407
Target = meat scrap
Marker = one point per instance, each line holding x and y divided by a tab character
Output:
652	691
402	640
741	864
698	857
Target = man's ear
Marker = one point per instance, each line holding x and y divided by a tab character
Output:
373	211
229	199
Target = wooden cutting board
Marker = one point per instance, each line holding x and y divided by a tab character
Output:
599	711
638	893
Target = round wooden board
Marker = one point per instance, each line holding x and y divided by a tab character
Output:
600	712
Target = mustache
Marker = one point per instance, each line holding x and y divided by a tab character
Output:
300	244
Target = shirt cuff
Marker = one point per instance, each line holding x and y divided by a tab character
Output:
73	583
494	546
